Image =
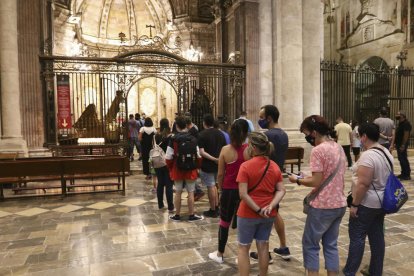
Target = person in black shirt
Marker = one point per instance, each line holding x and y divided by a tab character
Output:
402	138
210	142
163	175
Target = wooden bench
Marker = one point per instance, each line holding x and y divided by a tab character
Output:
62	169
294	156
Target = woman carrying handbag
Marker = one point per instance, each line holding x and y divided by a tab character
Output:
326	203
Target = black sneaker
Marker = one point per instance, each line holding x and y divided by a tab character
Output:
255	257
283	252
195	218
210	213
175	218
405	178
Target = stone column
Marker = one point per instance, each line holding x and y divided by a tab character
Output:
289	91
266	52
11	136
312	53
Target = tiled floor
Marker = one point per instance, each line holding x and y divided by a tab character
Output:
109	234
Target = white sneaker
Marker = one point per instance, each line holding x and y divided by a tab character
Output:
213	256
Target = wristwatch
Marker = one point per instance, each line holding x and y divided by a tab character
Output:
258	211
355	206
297	181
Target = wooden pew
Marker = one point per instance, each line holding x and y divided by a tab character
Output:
294	156
62	169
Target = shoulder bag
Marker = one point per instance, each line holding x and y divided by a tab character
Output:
234	221
395	194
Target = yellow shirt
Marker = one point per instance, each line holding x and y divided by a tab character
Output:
342	131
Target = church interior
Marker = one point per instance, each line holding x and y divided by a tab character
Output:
72	71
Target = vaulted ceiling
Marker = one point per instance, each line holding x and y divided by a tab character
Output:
102	20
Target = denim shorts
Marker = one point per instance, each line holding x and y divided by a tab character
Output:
208	179
253	228
189	185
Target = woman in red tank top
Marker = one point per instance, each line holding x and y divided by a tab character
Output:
230	159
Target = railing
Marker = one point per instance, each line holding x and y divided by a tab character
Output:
358	93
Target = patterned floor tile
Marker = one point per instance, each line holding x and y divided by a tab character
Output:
32	212
133	202
4	214
101	205
68	208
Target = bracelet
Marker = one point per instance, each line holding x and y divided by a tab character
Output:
355	206
258	211
297	181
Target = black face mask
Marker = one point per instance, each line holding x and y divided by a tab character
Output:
397	117
310	140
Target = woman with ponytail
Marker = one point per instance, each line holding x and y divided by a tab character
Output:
326	200
230	159
260	189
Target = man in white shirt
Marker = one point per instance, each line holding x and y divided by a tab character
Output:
344	134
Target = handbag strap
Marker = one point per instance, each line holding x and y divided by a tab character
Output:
325	183
391	170
261	178
384	154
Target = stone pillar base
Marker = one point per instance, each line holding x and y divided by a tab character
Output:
12	145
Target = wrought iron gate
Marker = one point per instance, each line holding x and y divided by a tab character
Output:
358	93
99	88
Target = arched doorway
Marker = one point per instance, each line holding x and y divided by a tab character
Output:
372	89
154	96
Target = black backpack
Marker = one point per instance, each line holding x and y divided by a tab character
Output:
186	152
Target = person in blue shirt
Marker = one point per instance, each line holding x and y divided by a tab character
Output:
243	116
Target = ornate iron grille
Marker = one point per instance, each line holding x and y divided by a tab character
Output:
99	89
358	93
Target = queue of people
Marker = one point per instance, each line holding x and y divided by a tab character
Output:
246	168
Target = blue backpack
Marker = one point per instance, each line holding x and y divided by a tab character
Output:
395	195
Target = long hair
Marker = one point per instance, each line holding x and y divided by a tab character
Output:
165	129
238	132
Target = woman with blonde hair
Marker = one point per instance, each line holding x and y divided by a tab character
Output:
260	189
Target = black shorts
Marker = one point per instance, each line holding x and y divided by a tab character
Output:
229	201
356	151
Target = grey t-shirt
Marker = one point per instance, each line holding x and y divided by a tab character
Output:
376	160
386	125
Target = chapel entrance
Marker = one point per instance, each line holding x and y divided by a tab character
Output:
92	97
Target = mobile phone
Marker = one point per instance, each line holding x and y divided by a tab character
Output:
295	174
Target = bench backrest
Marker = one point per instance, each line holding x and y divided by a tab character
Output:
59	166
295	153
96	165
20	168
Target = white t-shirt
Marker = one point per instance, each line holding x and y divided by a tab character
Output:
375	159
356	141
343	130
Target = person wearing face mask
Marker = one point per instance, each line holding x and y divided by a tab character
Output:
268	120
328	165
366	214
261	189
402	135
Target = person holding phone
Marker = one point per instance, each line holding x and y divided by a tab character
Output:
328	165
